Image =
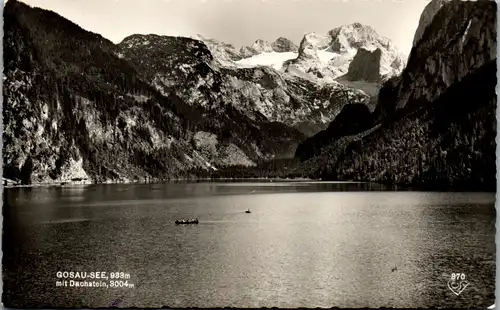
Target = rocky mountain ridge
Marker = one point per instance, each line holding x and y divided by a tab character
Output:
77	108
80	107
227	54
426	18
339	47
323	57
434	125
187	68
284	45
151	106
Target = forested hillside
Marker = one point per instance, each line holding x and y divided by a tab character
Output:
436	122
75	108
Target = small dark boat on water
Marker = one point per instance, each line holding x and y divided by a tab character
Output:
195	221
248	211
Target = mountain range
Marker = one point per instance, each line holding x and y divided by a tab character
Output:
341	105
319	57
435	124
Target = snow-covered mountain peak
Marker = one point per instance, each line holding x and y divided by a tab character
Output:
262	46
310	44
350	38
354	36
257	47
225	54
318	41
320	57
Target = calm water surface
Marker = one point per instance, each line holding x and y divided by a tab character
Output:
303	245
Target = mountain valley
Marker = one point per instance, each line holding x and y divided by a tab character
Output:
345	105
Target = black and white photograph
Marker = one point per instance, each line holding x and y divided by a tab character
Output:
249	153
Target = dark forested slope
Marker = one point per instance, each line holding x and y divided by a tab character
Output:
436	124
76	108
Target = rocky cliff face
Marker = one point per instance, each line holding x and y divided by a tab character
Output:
224	54
329	56
365	66
442	58
325	58
258	47
177	65
436	122
308	60
293	101
349	39
426	18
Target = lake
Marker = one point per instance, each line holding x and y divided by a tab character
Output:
305	244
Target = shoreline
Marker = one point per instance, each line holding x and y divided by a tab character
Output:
388	186
158	181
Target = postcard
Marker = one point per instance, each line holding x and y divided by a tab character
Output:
249	154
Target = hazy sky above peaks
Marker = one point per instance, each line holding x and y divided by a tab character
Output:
239	22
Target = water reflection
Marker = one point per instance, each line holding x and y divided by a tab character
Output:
303	245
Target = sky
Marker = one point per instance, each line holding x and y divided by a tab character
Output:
239	22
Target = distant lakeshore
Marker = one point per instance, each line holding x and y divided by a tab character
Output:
385	186
70	183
